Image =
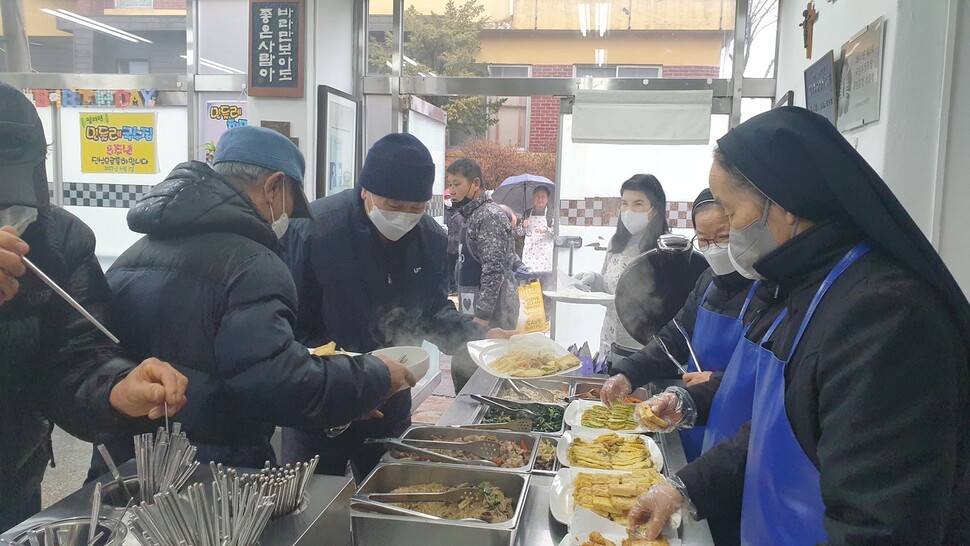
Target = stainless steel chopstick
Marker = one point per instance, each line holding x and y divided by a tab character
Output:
690	346
67	297
663	346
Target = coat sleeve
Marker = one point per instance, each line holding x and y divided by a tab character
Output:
651	362
81	365
715	480
703	397
491	247
446	327
892	395
271	376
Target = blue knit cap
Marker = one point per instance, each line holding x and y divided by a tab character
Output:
399	167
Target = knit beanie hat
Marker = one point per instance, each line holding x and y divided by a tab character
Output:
399	167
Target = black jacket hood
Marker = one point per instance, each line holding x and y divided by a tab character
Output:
194	199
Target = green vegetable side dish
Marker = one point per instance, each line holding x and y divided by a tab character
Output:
548	419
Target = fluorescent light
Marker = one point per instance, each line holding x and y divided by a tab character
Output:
409	60
600	56
104	26
432	74
96	25
422	74
603	18
218	66
88	25
583	9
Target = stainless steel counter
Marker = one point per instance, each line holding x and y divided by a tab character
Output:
539	528
324	520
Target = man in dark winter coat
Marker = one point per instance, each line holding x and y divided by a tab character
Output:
371	272
54	365
206	290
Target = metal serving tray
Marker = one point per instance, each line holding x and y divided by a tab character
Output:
373	529
484	411
451	434
556	465
551	384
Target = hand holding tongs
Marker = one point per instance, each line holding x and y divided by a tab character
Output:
676	362
395	444
690	347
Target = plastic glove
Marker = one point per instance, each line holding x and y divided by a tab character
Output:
586	280
696	378
674	406
615	389
652	510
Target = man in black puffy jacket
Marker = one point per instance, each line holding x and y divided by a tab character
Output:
371	272
205	290
54	365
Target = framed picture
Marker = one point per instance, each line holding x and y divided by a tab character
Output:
860	79
787	99
820	87
336	141
276	48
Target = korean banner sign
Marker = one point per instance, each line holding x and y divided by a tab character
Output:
118	143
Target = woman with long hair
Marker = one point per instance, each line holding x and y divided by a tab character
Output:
642	220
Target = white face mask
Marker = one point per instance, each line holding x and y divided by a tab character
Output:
719	259
393	224
635	222
19	217
281	224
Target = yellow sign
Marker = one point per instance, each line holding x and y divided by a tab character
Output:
532	312
118	143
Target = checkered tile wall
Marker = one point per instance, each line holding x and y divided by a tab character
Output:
603	211
103	195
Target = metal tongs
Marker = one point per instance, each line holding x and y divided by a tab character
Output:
395	444
516	409
453	496
71	301
690	347
485	449
545	393
676	362
383	507
515	425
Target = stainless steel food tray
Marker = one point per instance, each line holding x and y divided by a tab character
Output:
371	529
551	384
556	465
450	434
484	410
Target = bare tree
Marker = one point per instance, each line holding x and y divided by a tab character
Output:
15	35
762	14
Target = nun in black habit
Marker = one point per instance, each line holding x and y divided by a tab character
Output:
861	427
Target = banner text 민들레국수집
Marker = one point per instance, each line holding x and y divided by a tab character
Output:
118	143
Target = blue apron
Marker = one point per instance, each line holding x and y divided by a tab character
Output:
782	501
731	407
715	337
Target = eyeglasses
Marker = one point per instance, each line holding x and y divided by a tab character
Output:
703	245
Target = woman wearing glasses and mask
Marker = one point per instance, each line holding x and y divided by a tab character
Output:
642	220
860	429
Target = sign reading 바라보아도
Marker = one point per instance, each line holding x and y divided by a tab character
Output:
118	143
275	48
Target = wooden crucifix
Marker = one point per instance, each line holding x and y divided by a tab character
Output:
809	16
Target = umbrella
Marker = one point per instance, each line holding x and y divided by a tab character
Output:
516	191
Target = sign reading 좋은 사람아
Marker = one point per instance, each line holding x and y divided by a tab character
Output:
118	143
860	80
276	48
820	87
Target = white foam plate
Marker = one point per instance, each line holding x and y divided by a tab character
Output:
484	352
561	504
574	417
588	435
578	296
